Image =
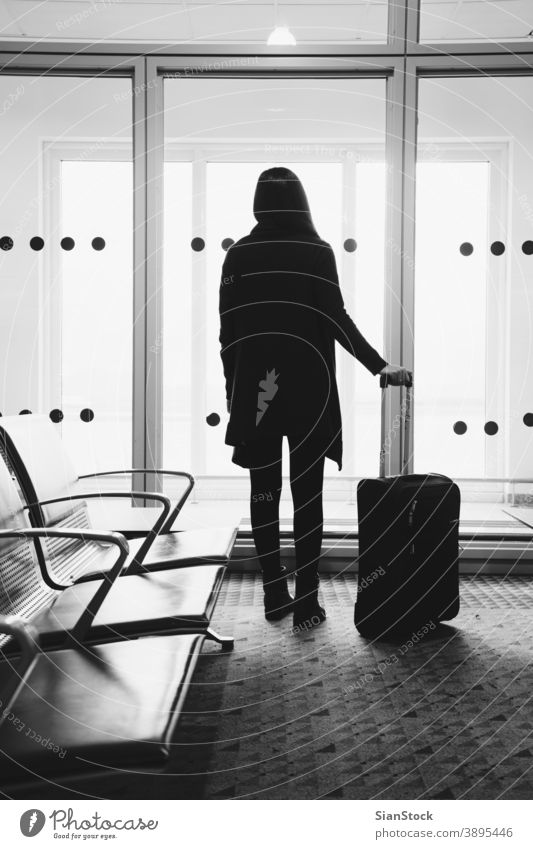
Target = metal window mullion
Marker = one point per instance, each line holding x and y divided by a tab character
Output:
139	273
147	153
199	317
73	62
407	254
235	57
472	64
459	49
155	147
50	288
496	452
348	264
325	65
392	346
396	25
412	24
238	57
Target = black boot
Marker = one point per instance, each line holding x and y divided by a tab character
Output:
308	613
278	601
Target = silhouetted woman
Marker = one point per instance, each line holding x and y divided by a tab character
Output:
281	310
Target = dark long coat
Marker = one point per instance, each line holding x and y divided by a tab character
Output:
281	310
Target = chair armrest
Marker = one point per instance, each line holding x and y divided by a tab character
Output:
177	509
77	634
155	496
27	638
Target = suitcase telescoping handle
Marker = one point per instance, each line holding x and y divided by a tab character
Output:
399	429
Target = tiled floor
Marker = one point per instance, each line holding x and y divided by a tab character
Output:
331	715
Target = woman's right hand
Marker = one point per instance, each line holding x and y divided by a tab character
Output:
397	375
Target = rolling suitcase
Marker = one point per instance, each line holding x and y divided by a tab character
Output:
408	547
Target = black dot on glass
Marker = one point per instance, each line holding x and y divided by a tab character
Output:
459	428
36	243
197	244
6	243
528	419
98	243
227	243
466	249
25	413
497	248
491	428
213	419
56	416
86	415
350	245
67	243
527	247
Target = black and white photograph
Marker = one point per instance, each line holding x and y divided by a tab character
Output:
266	421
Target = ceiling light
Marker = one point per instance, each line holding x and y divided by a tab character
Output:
281	35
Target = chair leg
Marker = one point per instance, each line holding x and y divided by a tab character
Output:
227	643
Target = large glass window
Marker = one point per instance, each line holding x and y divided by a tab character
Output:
472	332
67	238
66	264
332	134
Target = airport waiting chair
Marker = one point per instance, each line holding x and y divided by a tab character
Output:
89	709
34	451
36	589
35	454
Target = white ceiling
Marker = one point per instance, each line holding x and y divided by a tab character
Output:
251	21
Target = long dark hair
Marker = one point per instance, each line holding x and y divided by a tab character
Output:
280	201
